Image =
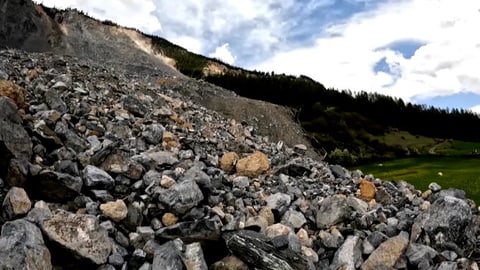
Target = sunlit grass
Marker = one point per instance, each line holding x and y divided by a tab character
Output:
450	172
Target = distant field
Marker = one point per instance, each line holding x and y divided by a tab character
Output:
456	172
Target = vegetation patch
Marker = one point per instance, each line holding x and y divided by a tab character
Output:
461	172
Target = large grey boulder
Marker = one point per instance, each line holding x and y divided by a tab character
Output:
80	235
450	219
54	186
332	210
94	177
22	247
180	197
349	255
14	139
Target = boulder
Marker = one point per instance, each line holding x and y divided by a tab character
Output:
22	247
79	235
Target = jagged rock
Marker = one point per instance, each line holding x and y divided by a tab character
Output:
116	210
253	165
388	253
17	173
181	197
14	140
153	133
22	247
228	161
278	202
332	210
16	203
94	177
277	230
54	186
54	101
294	219
418	253
199	230
349	255
168	256
13	92
89	242
254	249
193	257
450	220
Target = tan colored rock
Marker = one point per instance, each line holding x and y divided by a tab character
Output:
14	92
169	219
267	213
305	240
277	229
227	162
16	203
367	190
167	181
310	254
256	221
168	140
116	210
253	165
230	263
388	253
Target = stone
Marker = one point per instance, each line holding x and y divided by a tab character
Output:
153	133
383	196
388	253
16	203
294	219
94	177
453	219
167	181
332	210
367	190
14	139
349	255
193	231
277	230
279	202
181	197
418	253
116	210
13	92
193	257
22	247
168	256
256	223
54	186
253	165
267	214
228	161
230	263
55	102
89	241
169	219
434	187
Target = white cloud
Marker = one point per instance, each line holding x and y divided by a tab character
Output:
445	65
476	109
132	13
189	43
223	53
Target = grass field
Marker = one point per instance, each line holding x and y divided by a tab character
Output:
456	171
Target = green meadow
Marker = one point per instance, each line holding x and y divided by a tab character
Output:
460	171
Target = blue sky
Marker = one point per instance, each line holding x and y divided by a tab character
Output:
424	51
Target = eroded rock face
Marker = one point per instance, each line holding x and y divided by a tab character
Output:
80	235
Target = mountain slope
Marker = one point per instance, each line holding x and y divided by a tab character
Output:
156	60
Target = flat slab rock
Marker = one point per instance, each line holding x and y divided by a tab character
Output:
81	235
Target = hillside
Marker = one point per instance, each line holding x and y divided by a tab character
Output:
111	164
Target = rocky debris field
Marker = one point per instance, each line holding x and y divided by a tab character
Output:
103	170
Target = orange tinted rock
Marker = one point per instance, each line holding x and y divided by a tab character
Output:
253	165
227	162
367	190
14	92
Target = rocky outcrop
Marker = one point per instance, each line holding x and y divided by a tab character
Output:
118	173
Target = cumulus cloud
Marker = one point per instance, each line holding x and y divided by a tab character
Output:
223	53
345	56
132	13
